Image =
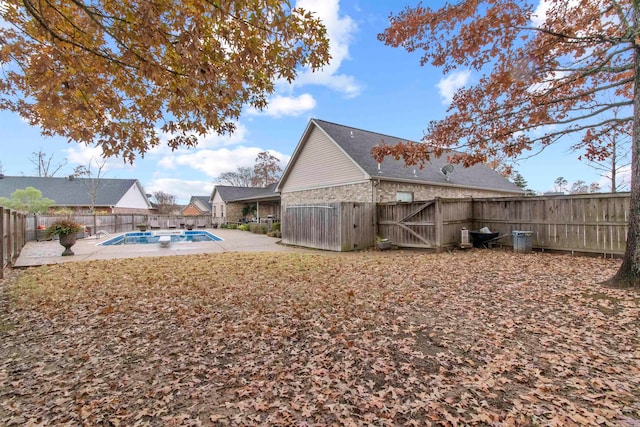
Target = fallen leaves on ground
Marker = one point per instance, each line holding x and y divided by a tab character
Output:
465	338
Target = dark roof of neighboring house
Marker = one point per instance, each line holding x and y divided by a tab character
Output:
357	144
230	193
202	199
70	192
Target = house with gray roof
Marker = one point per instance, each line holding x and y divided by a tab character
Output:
81	194
233	204
333	162
198	205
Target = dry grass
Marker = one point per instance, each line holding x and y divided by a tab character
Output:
476	338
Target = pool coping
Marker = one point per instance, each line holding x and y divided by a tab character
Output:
155	233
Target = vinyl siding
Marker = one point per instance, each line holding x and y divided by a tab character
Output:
321	163
133	198
217	208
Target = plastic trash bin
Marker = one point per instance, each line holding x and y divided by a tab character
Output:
522	241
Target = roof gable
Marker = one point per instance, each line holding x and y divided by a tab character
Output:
357	145
230	193
319	162
75	191
201	202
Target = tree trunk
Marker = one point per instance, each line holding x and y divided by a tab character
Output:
629	273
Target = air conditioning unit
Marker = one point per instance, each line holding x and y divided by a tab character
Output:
465	241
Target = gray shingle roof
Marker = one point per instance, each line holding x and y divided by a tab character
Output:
357	143
69	192
202	199
230	193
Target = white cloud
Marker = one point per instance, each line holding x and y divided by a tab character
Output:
623	180
340	30
180	188
454	81
213	162
210	140
287	106
214	140
540	14
92	157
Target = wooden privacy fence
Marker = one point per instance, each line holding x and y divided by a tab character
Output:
593	223
336	226
13	232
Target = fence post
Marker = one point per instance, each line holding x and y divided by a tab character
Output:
2	254
10	237
438	224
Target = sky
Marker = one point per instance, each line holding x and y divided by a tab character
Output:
367	85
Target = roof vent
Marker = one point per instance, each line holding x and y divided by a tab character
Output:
351	134
72	177
1	176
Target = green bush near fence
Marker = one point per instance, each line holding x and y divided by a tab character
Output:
258	228
244	227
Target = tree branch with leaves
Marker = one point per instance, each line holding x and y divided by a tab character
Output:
113	73
540	81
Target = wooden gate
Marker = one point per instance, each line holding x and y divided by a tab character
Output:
409	224
430	224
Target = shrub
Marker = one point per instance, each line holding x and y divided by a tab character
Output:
63	226
223	225
275	226
258	228
244	227
232	226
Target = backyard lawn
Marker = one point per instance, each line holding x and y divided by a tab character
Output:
483	337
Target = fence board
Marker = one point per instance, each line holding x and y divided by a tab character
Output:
12	236
595	223
335	226
430	224
116	223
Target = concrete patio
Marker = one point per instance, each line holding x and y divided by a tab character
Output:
48	252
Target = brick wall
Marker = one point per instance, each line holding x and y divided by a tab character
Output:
191	210
347	193
385	192
234	212
269	208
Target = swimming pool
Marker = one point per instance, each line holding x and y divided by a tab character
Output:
147	237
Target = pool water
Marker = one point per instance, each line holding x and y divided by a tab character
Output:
148	237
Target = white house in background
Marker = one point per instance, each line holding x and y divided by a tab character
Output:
79	194
229	203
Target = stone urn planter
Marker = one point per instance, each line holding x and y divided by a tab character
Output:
68	240
66	230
